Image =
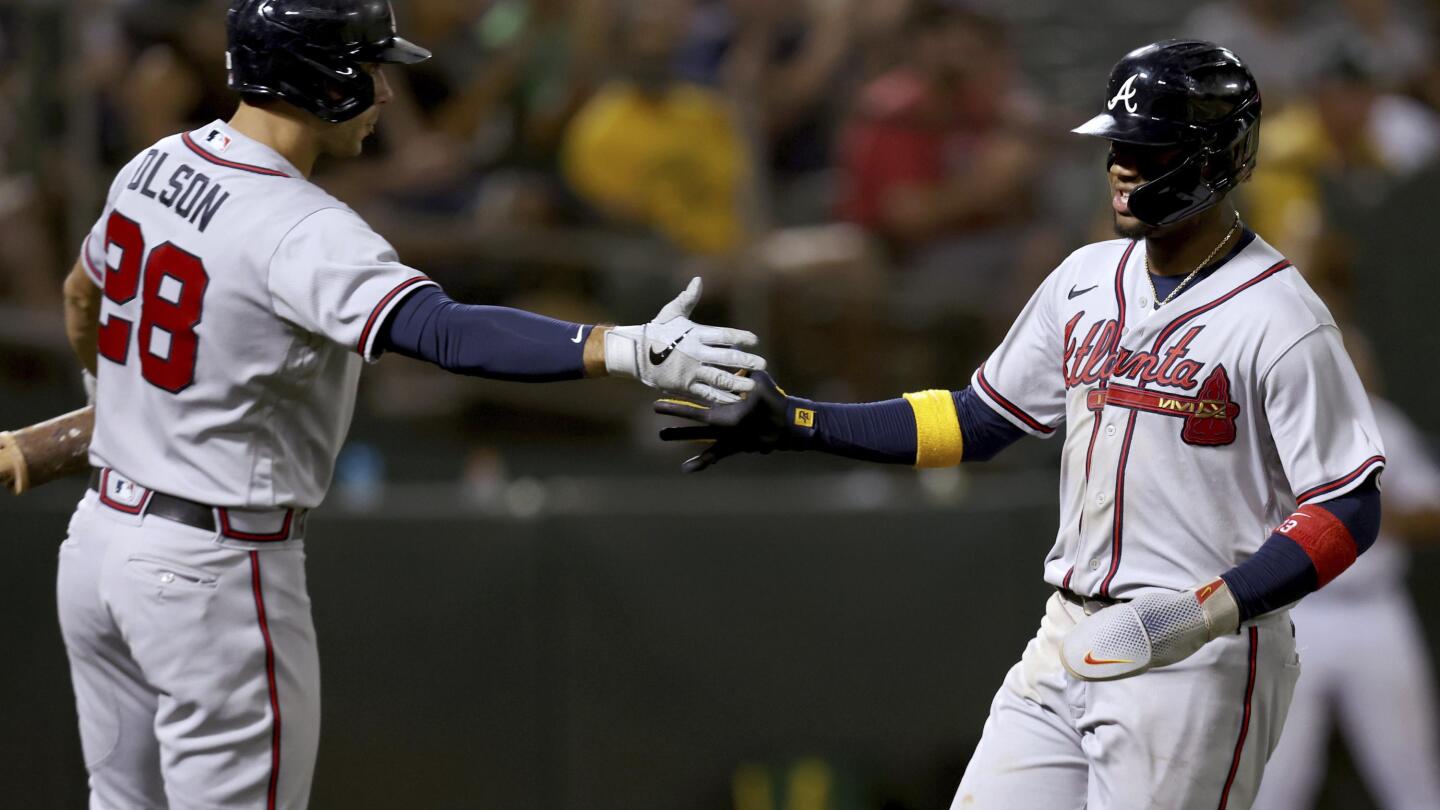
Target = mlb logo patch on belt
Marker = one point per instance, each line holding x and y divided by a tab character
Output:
120	493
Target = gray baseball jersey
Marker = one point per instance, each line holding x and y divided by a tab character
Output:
1193	429
229	374
238	302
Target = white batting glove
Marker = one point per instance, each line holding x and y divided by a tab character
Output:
678	356
1127	639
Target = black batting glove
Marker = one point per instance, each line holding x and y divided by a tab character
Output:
763	421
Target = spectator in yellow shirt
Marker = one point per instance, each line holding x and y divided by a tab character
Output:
655	151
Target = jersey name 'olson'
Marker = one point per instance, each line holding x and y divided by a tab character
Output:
189	194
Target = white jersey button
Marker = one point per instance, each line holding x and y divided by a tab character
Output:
1094	564
1109	430
1144	302
1100	499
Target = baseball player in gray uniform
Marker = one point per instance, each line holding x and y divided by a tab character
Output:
1367	667
226	306
1220	462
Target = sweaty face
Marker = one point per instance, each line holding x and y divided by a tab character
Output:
1130	166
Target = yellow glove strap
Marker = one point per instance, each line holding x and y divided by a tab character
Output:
938	441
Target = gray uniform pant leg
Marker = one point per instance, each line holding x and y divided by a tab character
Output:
195	664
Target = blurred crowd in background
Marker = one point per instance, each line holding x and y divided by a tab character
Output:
874	186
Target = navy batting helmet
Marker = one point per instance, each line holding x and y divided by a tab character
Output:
310	52
1191	94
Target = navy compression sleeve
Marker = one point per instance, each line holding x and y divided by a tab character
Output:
483	341
1318	543
886	431
986	432
869	431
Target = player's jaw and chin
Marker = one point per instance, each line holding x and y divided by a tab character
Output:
346	139
1128	227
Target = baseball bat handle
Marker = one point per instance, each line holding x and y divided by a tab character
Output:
39	454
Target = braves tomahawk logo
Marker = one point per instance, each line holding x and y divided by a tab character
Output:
1125	93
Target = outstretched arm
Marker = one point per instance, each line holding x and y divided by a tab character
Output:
671	352
926	429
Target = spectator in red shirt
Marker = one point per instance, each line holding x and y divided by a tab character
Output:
937	145
940	161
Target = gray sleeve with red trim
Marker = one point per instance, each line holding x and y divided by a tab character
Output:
334	276
1022	378
1320	418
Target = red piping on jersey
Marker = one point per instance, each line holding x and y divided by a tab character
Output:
1089	451
270	679
95	272
1117	533
1014	409
1180	320
1120	290
229	164
1095	403
283	534
1097	406
1315	492
1244	719
380	307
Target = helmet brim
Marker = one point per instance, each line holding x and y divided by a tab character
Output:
1138	129
399	51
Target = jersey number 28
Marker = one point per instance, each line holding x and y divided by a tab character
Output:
167	311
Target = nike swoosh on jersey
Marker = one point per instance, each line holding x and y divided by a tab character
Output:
578	333
656	358
1074	293
1092	660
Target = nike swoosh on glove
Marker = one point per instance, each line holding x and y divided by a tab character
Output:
1157	630
678	356
761	422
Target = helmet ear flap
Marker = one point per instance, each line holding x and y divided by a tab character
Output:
1179	193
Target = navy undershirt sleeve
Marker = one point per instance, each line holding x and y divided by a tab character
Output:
484	341
986	432
885	431
869	431
1281	572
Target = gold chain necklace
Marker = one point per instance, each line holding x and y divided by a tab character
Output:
1234	226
